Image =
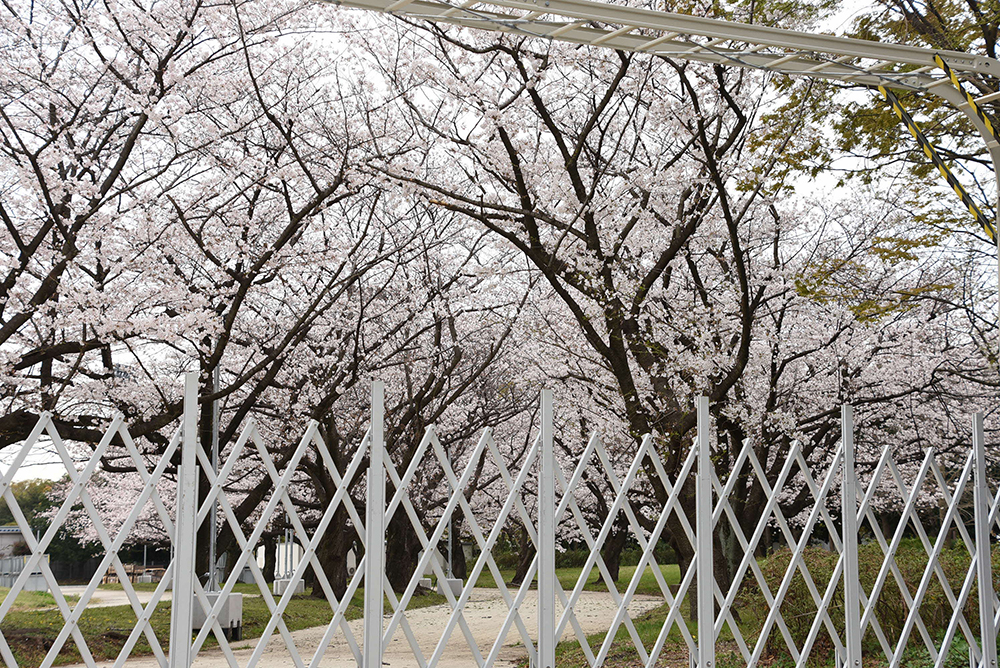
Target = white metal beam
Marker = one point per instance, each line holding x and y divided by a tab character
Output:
695	38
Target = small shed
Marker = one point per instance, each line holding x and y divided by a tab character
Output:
10	535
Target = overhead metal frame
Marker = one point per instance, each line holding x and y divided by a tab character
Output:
788	52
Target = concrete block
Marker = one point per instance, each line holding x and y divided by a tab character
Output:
281	585
230	616
455	584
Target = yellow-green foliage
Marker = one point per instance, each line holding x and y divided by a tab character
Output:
847	280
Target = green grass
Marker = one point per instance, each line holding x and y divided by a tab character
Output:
568	578
239	588
675	652
33	600
622	652
32	632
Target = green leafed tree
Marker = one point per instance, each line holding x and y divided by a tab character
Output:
38	499
852	137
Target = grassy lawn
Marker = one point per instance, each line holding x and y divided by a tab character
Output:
33	600
622	652
569	576
240	588
31	632
675	652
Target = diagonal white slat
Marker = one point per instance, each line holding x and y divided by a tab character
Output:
111	552
933	567
311	544
458	487
620	487
958	616
76	493
280	483
484	559
749	545
749	560
793	476
150	480
672	506
889	565
79	494
568	500
774	512
514	487
796	562
456	499
674	603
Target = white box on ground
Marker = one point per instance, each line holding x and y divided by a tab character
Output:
230	616
281	585
454	583
424	582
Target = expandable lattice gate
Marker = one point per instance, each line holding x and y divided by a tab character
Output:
844	602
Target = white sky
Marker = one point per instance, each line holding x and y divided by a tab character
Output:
41	462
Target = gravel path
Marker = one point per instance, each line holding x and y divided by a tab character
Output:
106	598
485	614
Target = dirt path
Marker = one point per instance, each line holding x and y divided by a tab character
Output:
106	598
485	614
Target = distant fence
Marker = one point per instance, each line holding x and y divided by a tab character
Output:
75	571
11	567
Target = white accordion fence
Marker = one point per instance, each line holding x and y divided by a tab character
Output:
842	612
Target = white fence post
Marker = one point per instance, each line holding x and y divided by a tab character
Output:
703	521
185	531
547	541
849	517
375	532
984	566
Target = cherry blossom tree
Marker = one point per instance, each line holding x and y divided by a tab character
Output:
669	241
468	217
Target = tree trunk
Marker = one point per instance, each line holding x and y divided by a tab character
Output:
527	552
270	558
459	568
611	552
685	556
332	555
401	549
727	556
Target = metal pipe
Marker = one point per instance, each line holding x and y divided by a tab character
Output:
704	530
375	532
984	566
849	518
181	610
213	578
547	541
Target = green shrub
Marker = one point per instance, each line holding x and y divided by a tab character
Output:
798	608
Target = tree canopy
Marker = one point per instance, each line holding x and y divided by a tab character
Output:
294	199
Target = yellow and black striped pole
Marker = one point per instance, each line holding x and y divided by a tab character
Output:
986	124
968	96
933	156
